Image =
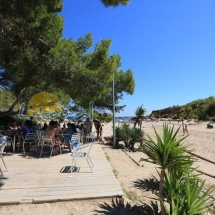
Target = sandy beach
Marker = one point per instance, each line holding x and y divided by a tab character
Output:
131	174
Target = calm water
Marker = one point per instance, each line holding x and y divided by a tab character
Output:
122	118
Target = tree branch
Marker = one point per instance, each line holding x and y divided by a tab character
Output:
17	99
10	111
23	30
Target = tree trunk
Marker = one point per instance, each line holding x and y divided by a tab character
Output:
161	191
8	113
11	112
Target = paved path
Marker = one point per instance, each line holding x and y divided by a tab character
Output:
35	180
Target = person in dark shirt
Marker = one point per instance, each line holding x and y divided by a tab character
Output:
71	130
44	127
26	129
99	130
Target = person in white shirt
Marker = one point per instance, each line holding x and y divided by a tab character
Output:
87	126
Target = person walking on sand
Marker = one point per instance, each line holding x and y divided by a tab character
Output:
185	129
99	130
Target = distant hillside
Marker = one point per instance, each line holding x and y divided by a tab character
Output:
203	109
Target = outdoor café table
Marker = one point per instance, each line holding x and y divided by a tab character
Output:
13	135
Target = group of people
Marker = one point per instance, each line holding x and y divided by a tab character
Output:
59	135
54	131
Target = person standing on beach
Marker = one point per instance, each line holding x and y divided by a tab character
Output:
185	129
99	130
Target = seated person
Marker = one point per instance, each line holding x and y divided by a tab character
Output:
12	127
71	130
7	127
52	131
26	129
63	128
81	127
44	127
56	124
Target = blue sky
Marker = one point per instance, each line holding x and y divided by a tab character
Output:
168	44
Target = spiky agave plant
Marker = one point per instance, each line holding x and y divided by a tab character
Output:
186	194
189	196
168	153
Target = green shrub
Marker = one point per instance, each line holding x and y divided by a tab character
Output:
128	135
178	186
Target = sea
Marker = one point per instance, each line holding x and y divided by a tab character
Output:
123	118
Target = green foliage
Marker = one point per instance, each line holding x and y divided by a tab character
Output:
186	194
139	116
102	117
175	117
202	109
128	135
6	99
165	116
118	135
34	56
167	152
115	3
183	191
124	133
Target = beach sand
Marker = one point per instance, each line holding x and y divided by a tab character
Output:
131	174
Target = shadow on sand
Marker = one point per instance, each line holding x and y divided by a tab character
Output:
118	207
2	181
147	185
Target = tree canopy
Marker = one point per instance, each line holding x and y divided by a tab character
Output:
202	109
34	56
114	3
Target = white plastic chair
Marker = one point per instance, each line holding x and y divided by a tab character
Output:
74	142
4	140
38	138
91	137
77	136
47	140
29	138
77	153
